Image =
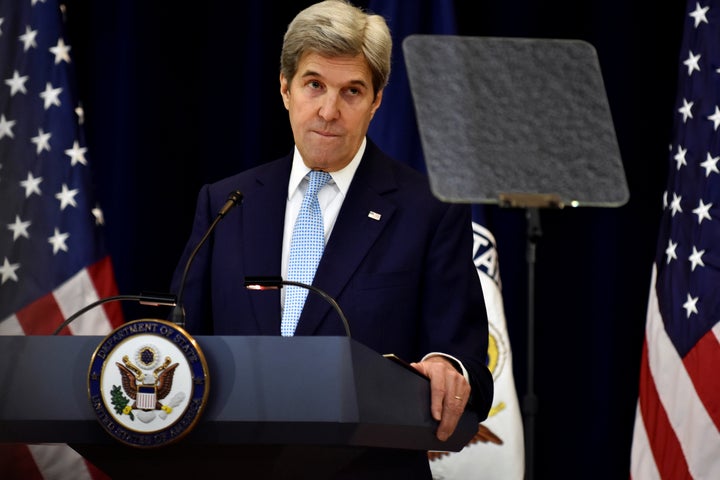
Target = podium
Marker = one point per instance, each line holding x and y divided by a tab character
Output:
274	403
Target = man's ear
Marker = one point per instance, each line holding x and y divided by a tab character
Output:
285	91
378	101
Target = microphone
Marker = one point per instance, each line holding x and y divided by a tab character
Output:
153	299
274	283
178	312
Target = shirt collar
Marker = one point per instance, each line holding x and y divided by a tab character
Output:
342	178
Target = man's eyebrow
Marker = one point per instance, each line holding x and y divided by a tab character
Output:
360	83
312	73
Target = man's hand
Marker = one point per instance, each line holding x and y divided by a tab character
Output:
449	393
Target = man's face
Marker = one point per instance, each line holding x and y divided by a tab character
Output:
330	102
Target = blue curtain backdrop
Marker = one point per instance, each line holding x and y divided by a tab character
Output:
176	96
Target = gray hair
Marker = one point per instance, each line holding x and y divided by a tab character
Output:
336	28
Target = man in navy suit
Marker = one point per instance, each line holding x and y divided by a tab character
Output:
397	260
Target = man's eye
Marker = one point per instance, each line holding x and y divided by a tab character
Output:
314	84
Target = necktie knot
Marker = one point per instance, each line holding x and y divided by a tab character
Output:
317	179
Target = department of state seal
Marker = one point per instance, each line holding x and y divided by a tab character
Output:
148	383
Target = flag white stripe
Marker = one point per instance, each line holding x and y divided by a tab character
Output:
642	464
59	462
76	293
11	326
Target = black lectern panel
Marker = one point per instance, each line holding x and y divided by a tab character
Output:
271	398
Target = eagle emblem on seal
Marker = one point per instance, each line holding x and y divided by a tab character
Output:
145	389
148	383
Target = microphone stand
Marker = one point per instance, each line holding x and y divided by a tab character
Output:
274	283
178	312
530	402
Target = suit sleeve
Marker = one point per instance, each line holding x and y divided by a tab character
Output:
454	313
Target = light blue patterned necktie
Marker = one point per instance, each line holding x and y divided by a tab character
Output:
306	248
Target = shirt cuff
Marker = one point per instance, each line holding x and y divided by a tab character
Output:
456	363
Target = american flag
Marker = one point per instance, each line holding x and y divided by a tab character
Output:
677	424
52	259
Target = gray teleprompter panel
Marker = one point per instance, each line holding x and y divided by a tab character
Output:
515	121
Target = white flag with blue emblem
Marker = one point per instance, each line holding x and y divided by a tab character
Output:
497	451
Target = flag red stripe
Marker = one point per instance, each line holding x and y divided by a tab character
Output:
16	463
96	473
665	445
44	315
103	277
701	364
41	317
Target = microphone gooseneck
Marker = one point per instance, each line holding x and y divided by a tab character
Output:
272	283
155	299
178	312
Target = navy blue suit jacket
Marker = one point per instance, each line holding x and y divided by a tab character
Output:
405	280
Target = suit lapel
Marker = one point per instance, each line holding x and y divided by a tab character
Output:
362	218
263	221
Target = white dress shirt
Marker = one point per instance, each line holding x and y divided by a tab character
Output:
330	197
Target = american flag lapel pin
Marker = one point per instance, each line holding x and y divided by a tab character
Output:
374	215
